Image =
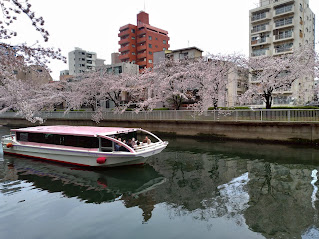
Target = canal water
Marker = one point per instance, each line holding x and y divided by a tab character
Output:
193	189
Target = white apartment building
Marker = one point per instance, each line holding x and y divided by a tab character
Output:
278	27
81	61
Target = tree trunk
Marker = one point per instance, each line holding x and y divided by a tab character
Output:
215	102
268	101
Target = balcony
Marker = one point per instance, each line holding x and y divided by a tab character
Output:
260	52
123	41
261	41
265	28
124	57
141	48
283	90
125	48
283	37
124	33
141	32
141	40
141	55
283	24
284	50
281	11
260	17
281	2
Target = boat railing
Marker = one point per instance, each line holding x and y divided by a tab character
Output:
8	135
147	146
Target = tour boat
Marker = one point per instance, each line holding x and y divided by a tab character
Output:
83	145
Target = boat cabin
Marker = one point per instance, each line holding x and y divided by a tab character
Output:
103	139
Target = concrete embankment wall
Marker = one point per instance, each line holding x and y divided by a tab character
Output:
256	131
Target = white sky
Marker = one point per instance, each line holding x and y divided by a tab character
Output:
213	26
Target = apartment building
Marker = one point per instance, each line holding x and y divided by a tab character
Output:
278	27
178	54
139	42
81	61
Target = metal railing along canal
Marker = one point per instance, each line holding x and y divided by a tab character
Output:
260	115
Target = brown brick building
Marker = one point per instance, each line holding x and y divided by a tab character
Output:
138	43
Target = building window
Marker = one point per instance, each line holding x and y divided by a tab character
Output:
133	62
301	8
156	38
149	38
150	61
133	45
150	45
118	70
151	53
183	56
133	30
164	49
133	38
164	41
133	53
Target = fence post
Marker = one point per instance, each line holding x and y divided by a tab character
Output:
261	115
236	115
288	115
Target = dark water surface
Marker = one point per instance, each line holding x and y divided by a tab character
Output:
194	189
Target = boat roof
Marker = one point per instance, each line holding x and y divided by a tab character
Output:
75	130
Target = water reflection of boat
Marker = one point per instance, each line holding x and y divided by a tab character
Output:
90	186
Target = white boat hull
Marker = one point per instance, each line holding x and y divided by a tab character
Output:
80	157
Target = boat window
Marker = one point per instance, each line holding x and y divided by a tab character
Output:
106	145
67	140
126	136
23	137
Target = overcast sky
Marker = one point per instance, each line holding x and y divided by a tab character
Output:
213	26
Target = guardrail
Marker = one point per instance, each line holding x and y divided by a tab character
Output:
273	115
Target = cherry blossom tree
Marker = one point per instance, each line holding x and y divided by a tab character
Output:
168	82
275	75
27	99
211	77
24	97
203	80
16	57
91	88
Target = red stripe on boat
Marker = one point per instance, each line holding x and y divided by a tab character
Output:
52	160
